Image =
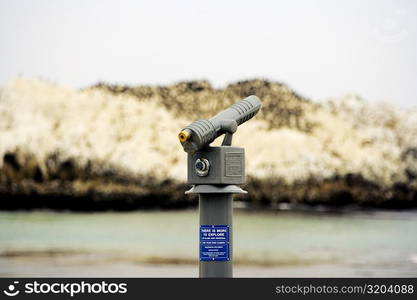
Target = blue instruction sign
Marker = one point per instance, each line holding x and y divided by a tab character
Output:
214	243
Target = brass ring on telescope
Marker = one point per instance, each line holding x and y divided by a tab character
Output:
183	136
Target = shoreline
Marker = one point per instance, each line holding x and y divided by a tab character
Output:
70	268
131	203
136	243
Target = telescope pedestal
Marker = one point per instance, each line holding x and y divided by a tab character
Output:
214	172
216	208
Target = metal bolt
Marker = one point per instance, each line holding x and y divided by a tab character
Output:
202	167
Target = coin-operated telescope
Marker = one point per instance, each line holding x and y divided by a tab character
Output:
215	173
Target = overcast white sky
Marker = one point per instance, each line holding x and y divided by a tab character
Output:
320	48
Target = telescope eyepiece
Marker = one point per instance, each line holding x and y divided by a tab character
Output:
184	135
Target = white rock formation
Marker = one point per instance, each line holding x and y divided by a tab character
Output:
351	136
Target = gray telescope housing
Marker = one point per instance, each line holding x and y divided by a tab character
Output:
201	133
215	173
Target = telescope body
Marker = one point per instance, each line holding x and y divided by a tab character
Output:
201	133
226	165
215	173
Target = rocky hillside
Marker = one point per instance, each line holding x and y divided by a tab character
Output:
116	147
